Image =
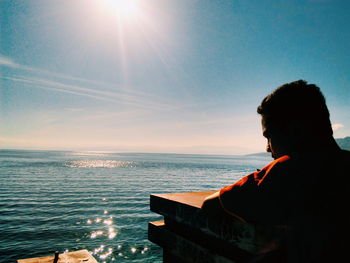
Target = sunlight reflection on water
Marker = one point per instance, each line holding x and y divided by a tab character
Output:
105	227
90	153
99	164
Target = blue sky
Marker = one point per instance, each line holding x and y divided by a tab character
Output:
179	76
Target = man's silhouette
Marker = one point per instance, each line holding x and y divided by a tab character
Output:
305	189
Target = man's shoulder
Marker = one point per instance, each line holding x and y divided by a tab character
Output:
345	153
343	161
332	165
307	165
324	158
275	170
284	160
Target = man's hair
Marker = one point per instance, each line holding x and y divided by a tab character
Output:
297	101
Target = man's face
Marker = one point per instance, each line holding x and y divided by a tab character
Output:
277	141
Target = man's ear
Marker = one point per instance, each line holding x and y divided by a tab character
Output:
298	129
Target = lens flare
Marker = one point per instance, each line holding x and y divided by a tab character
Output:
124	9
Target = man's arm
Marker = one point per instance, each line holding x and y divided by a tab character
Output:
238	200
212	206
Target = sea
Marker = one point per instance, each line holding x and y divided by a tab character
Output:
72	200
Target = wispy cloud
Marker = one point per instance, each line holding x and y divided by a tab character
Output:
86	92
7	62
337	126
100	91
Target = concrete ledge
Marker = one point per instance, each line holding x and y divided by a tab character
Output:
187	232
180	249
70	257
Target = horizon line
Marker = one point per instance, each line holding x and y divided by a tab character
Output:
128	152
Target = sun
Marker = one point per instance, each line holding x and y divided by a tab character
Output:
124	9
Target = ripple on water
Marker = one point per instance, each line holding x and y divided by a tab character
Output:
61	201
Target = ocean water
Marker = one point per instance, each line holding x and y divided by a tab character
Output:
66	201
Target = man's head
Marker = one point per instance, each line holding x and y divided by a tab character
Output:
295	117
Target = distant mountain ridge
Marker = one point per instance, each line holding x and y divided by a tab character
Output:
344	143
259	154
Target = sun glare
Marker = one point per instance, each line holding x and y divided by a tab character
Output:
124	9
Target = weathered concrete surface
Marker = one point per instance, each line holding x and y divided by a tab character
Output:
189	234
80	256
193	199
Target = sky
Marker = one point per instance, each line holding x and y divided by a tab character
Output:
165	76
